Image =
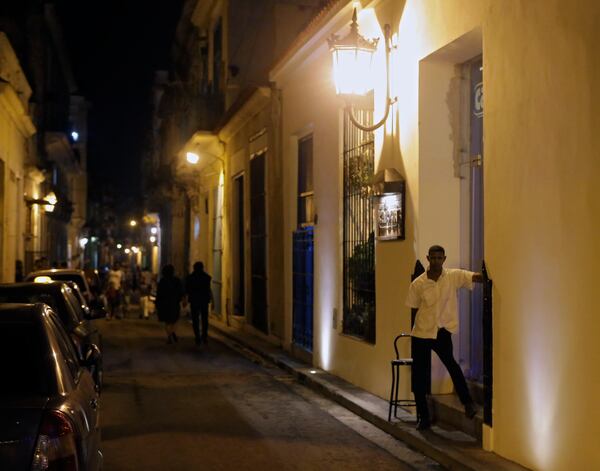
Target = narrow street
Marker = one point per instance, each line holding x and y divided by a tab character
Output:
180	407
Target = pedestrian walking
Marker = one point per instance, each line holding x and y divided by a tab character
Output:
199	295
169	295
146	281
434	294
114	292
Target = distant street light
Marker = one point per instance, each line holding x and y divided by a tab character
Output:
127	251
75	136
119	246
83	242
133	223
134	249
152	239
153	230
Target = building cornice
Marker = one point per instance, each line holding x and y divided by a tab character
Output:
12	104
257	101
311	38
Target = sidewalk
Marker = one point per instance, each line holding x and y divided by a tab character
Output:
452	449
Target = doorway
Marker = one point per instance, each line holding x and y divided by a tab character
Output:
239	266
303	250
471	305
258	242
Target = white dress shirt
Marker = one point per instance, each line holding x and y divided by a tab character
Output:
115	278
437	302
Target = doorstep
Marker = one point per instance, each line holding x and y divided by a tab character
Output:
451	448
447	409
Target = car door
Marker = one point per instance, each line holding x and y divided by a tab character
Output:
83	399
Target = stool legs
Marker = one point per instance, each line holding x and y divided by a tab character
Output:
394	401
393	393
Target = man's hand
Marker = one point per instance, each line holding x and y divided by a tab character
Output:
478	278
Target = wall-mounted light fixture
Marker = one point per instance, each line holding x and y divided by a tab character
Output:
202	147
48	202
352	63
192	157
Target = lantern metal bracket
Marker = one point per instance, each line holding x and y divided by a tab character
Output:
387	32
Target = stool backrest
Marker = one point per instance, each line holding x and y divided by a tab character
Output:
398	337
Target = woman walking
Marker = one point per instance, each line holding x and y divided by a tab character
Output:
168	298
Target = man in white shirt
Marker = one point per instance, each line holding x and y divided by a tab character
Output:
114	291
434	294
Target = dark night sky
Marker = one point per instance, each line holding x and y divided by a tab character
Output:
115	46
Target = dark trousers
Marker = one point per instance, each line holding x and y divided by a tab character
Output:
200	311
442	345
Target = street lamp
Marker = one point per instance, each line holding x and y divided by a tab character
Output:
352	68
48	202
119	246
192	157
133	223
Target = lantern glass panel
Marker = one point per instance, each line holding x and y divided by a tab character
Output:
352	71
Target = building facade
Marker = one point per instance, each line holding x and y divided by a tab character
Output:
53	175
225	208
496	182
20	220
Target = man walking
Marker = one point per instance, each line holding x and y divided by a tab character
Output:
434	294
197	288
114	292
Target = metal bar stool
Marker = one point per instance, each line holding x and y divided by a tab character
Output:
396	364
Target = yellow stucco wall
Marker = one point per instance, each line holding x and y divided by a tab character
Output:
541	73
251	131
12	153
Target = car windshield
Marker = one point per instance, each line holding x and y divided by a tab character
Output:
64	310
69	277
24	360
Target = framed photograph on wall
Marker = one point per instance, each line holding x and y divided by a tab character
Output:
389	205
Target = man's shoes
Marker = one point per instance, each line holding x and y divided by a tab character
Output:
470	410
204	340
423	424
175	339
198	341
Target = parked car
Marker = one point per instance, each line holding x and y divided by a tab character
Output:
59	296
49	413
99	312
90	291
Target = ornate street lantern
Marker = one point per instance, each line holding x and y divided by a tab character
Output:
352	68
352	61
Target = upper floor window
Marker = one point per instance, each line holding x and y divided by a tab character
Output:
305	182
217	56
